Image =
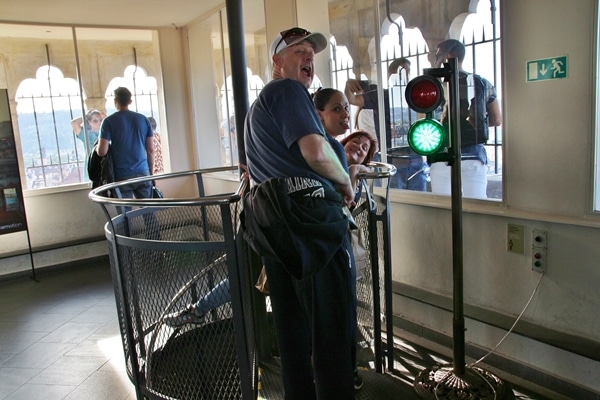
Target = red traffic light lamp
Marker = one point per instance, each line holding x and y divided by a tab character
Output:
424	94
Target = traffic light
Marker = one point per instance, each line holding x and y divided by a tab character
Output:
426	136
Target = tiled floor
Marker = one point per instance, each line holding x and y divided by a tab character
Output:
59	338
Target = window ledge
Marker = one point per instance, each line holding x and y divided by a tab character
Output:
488	207
56	189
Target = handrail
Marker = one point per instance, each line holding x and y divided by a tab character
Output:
381	170
98	194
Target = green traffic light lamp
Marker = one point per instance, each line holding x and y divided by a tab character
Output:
426	136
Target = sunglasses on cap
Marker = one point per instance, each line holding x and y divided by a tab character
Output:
291	36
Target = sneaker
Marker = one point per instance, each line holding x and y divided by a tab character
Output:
358	381
185	316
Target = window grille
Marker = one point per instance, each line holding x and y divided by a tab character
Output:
52	155
479	33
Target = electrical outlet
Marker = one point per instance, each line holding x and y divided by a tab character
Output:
539	250
539	238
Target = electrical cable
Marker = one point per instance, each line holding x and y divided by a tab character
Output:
449	372
513	325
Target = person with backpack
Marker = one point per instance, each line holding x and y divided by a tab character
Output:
479	109
130	138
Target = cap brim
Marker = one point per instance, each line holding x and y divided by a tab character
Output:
318	40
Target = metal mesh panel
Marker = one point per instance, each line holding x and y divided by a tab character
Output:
364	289
368	216
382	239
161	281
166	254
164	258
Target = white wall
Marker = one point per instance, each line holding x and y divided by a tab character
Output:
54	218
548	176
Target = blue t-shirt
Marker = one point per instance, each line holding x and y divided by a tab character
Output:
339	150
127	132
92	137
281	115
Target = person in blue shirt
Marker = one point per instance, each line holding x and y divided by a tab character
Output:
359	147
311	302
129	137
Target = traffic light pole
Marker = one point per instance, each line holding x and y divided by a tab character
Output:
453	157
457	229
441	382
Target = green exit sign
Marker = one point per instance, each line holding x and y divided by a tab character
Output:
546	69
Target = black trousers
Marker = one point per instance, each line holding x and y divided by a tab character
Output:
313	320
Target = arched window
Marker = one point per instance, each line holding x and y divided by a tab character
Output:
52	153
143	88
365	50
61	96
342	64
228	138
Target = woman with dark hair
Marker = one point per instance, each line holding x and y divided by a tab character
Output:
334	110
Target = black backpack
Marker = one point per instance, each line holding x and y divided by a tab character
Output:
473	109
100	169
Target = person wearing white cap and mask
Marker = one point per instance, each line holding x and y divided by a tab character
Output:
293	218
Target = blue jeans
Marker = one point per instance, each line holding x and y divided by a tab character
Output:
410	173
412	177
217	296
141	190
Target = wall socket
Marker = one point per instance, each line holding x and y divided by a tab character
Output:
539	250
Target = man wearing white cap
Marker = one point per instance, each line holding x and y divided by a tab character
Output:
293	218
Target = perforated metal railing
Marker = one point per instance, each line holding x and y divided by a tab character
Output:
168	253
164	255
374	288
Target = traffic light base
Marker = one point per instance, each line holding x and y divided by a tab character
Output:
443	383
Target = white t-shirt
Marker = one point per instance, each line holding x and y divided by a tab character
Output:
365	121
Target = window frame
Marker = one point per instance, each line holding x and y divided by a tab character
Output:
378	70
66	51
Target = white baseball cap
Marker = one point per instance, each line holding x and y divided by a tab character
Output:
293	36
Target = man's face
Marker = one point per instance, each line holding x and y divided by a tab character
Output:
297	62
